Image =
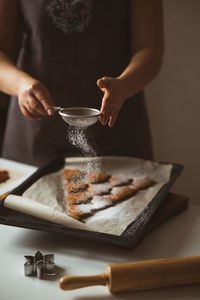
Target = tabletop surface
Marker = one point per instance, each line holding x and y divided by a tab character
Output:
177	237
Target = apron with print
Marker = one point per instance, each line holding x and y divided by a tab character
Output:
68	45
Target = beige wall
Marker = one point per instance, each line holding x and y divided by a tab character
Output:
173	98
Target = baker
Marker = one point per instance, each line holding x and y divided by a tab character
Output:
87	53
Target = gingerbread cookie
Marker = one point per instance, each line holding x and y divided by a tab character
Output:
99	188
96	191
101	202
78	198
97	177
85	210
142	183
80	211
122	192
3	175
119	180
75	186
73	174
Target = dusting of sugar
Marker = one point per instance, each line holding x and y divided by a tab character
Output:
120	180
121	189
78	138
100	202
100	188
85	208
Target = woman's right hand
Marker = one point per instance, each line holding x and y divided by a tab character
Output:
34	99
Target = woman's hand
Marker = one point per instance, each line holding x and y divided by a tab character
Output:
34	99
112	100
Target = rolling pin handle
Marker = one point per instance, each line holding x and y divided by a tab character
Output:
75	282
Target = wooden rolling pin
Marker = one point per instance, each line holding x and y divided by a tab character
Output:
4	195
134	276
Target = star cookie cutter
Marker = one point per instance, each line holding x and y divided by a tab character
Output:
39	265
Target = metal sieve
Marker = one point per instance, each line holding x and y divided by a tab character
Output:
79	116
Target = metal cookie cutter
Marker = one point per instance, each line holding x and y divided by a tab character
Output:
39	265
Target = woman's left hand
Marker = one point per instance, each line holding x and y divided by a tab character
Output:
112	100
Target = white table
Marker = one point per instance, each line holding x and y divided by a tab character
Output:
176	238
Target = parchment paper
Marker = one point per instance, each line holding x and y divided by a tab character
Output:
46	197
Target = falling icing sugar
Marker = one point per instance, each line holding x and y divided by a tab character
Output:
77	137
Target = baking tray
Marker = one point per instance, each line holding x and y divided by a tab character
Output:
128	239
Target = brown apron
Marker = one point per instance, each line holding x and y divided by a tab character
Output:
68	45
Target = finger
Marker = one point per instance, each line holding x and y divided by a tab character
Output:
28	115
43	96
103	83
103	121
27	106
35	107
106	103
106	108
31	111
113	119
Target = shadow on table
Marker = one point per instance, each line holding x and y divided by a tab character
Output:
165	241
175	293
59	273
